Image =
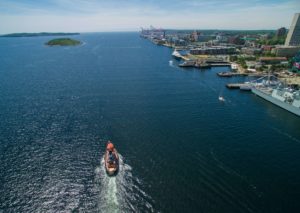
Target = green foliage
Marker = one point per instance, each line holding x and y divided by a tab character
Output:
290	65
268	54
242	62
273	67
261	69
233	58
63	42
273	41
250	58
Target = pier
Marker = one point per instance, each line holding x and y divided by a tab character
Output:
257	74
219	64
235	85
231	74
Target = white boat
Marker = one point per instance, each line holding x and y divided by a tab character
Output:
176	54
234	67
221	98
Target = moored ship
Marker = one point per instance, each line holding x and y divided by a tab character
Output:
176	54
286	98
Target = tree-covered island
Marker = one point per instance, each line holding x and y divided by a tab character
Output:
63	42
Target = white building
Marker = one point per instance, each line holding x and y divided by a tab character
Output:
293	37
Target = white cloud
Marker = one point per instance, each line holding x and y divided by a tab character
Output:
95	17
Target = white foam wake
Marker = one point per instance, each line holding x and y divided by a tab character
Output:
121	193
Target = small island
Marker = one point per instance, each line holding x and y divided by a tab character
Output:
63	42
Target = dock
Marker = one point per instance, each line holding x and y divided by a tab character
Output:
219	64
234	85
231	74
256	74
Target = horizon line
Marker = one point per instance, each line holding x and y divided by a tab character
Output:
120	31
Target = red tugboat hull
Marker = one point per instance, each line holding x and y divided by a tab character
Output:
111	166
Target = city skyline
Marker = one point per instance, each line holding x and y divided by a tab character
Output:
117	15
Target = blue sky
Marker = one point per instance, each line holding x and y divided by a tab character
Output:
129	15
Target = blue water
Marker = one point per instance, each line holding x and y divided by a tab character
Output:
181	149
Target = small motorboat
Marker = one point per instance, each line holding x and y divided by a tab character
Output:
111	159
225	74
221	98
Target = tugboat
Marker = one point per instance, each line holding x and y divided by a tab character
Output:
111	159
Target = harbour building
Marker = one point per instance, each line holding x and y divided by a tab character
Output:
293	37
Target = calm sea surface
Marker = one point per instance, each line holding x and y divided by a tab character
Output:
182	150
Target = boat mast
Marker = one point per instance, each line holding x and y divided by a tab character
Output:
269	70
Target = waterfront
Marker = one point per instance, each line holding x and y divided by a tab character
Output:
246	52
182	150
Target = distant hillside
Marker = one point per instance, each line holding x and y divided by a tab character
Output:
63	42
37	34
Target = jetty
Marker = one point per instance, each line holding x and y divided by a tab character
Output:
256	74
231	74
235	85
219	64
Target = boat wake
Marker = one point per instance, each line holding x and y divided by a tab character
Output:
121	193
285	134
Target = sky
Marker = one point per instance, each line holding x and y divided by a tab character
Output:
130	15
